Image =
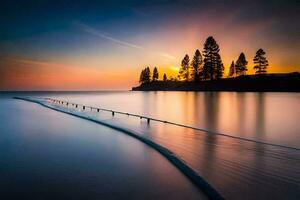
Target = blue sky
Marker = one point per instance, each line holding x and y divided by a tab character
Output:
105	35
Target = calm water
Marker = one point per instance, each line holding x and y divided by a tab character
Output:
49	155
237	169
272	117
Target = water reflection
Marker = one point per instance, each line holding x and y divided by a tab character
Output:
241	114
238	169
269	116
260	115
211	109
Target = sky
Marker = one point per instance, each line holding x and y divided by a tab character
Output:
103	45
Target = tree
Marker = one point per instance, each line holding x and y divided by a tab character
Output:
231	70
241	65
145	76
155	74
260	62
142	76
165	77
213	67
196	64
184	72
219	67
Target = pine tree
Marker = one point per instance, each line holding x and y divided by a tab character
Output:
184	72
260	62
165	77
145	76
241	65
219	67
155	74
231	70
142	76
196	64
213	67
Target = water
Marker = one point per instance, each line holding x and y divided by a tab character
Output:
49	155
237	169
271	117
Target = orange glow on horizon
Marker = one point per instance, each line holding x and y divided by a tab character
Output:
36	75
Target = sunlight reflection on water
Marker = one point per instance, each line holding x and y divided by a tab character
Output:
237	169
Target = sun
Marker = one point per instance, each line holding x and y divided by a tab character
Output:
174	68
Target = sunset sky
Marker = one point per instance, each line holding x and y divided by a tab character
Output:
102	45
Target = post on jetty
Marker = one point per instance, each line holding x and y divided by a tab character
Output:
83	107
148	120
113	113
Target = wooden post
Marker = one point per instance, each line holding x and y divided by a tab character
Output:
113	113
83	107
76	105
98	110
148	120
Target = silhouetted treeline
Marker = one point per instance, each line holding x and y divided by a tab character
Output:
209	65
145	76
289	82
240	66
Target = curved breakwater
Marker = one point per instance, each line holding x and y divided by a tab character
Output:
188	171
172	123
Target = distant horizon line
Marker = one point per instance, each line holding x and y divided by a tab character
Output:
104	90
109	90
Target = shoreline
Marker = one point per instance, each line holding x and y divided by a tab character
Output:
250	83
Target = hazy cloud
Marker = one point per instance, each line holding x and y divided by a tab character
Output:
95	32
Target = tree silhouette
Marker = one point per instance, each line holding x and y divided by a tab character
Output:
165	77
196	64
219	67
142	76
213	67
184	72
231	70
260	62
145	76
241	65
155	74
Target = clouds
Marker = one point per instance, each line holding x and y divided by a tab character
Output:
93	31
110	36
